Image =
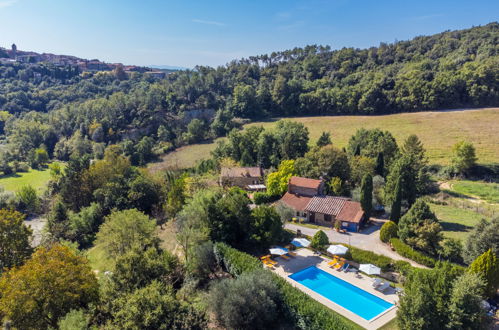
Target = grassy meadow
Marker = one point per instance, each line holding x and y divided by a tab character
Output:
456	222
38	179
439	131
488	192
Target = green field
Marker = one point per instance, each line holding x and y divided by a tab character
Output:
439	131
456	222
38	179
488	192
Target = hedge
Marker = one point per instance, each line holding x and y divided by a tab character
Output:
308	313
367	257
264	198
408	252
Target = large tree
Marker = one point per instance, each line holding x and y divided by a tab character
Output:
154	307
277	182
425	302
267	226
420	228
370	143
124	229
464	156
466	311
37	294
15	239
484	236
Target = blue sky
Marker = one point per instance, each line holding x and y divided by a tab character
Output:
212	32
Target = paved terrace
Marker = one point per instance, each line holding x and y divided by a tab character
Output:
367	239
306	258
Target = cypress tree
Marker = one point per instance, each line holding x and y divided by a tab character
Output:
357	150
397	202
487	266
366	194
380	165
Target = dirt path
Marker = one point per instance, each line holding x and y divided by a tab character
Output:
36	225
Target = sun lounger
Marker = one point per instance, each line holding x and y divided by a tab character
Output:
273	262
285	257
377	282
345	268
292	254
332	262
383	286
339	265
269	265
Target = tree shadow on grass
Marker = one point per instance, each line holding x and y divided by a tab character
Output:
456	194
456	227
9	176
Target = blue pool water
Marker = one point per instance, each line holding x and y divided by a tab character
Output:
342	293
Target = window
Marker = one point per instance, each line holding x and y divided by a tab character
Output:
344	224
297	213
327	217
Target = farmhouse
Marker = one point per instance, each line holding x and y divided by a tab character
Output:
250	178
306	198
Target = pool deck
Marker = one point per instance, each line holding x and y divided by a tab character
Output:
306	258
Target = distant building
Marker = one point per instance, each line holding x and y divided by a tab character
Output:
14	50
155	74
250	178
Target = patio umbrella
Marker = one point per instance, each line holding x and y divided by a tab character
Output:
337	249
370	269
279	251
300	242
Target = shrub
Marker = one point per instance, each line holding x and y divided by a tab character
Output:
250	301
408	252
319	241
263	198
388	231
28	199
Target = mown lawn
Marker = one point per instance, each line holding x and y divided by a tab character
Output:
38	179
392	325
183	157
456	222
488	192
438	131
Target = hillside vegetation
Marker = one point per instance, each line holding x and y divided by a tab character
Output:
66	112
438	131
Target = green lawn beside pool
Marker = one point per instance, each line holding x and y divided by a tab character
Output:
456	222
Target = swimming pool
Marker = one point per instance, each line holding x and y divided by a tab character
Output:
346	295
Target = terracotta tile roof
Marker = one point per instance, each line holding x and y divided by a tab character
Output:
326	204
296	202
238	172
305	182
351	212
